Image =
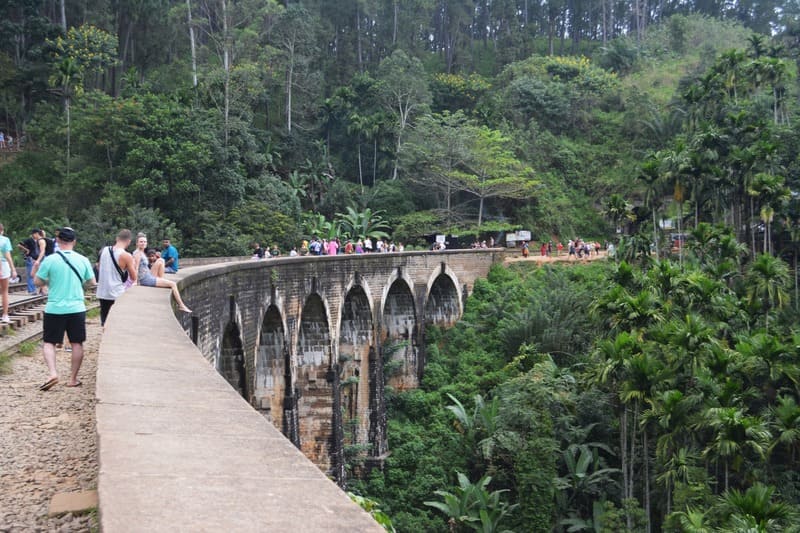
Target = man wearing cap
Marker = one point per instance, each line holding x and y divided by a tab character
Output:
64	272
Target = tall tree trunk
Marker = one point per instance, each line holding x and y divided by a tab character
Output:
480	212
226	62
632	462
66	110
680	234
623	447
750	226
289	84
192	43
374	158
655	234
395	14
63	7
646	458
358	38
726	474
669	498
795	279
397	155
623	437
448	206
360	173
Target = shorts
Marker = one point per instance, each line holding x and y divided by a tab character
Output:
74	324
5	270
149	281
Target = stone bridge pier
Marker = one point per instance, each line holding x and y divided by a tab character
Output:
312	342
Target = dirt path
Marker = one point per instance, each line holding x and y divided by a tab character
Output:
47	440
563	258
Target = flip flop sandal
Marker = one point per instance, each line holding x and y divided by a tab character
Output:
77	384
49	384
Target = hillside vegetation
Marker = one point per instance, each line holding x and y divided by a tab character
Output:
606	397
223	124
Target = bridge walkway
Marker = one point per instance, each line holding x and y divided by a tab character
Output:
180	450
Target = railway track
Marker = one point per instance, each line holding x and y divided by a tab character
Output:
24	308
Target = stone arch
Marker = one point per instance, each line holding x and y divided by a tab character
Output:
273	378
315	379
443	298
356	341
230	362
399	325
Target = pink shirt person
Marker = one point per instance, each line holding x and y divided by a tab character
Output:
333	247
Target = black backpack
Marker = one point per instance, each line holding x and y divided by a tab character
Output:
49	246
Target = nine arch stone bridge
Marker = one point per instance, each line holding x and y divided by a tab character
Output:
312	342
300	350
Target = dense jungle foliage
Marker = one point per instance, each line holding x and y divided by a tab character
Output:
607	397
220	123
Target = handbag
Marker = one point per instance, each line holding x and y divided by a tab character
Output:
122	275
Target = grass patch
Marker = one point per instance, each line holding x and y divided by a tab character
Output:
5	363
94	312
94	521
27	348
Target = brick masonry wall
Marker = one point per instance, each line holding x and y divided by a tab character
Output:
328	318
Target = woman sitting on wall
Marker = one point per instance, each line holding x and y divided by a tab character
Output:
147	279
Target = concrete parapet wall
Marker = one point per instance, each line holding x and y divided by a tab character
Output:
180	450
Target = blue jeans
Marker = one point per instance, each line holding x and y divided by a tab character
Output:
28	268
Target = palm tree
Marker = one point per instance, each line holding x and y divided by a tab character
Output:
692	337
654	194
676	469
585	477
67	79
767	280
755	509
771	190
477	428
618	209
765	356
735	434
794	235
472	505
361	224
786	425
674	166
357	125
610	356
643	372
694	521
315	224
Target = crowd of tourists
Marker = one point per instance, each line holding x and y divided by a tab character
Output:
56	270
577	248
335	246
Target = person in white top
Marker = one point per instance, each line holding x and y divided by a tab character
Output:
7	271
115	267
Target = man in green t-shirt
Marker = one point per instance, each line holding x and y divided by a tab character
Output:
64	272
